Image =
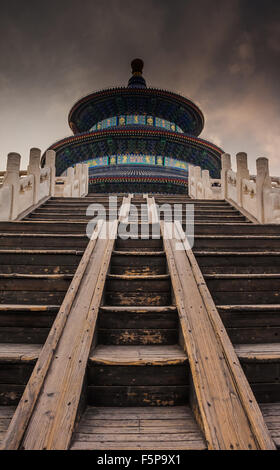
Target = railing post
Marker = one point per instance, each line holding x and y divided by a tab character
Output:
70	181
197	180
34	168
226	165
85	172
206	185
242	172
190	192
50	163
78	177
263	184
11	179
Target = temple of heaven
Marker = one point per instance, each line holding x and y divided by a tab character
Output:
136	139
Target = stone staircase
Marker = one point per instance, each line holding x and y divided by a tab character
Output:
138	387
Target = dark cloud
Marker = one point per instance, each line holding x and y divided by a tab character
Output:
223	54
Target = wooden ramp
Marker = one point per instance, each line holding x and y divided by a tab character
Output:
123	334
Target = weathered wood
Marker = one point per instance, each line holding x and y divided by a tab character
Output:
239	262
10	395
249	298
28	401
254	334
271	413
134	318
36	227
139	244
269	352
232	418
164	422
137	263
19	353
138	355
73	370
137	375
136	336
245	242
266	392
240	316
132	395
137	254
36	297
137	299
28	308
262	372
24	335
146	309
185	445
62	387
136	413
41	241
15	374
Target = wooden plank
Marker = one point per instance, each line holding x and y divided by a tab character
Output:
138	355
136	335
147	309
168	412
6	413
135	375
37	296
139	437
141	253
60	386
266	392
23	334
183	445
231	418
167	424
134	320
29	308
255	316
262	372
31	393
10	394
137	395
137	299
265	352
19	353
11	373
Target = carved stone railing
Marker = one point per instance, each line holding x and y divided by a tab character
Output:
201	186
256	195
74	184
23	190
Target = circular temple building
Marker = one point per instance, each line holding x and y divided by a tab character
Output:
136	139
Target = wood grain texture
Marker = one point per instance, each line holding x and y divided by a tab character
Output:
138	355
230	415
55	399
140	428
6	414
271	414
264	352
31	393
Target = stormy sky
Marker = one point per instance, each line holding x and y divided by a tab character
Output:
222	54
